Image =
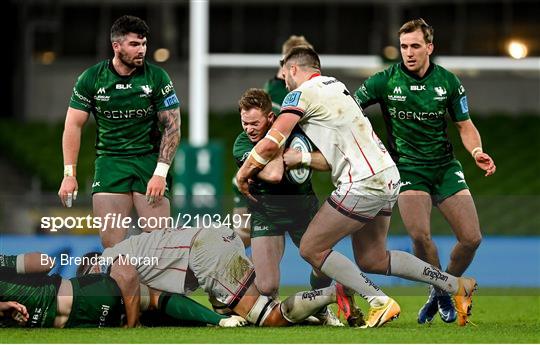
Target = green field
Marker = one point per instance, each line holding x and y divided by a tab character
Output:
500	316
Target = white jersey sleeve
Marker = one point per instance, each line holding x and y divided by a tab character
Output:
334	121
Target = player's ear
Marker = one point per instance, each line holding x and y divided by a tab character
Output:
430	48
271	117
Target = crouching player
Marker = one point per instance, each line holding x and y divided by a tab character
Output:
213	258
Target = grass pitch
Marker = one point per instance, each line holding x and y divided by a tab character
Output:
500	316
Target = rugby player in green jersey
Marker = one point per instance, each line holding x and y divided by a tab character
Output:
277	91
35	299
415	96
138	130
282	206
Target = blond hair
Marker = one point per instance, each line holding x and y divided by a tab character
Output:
294	41
417	24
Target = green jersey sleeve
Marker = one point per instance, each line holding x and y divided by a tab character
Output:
458	107
165	98
82	96
241	148
371	90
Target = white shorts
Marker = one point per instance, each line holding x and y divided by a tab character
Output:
220	265
373	196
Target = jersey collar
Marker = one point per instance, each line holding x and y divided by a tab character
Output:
113	70
414	76
314	75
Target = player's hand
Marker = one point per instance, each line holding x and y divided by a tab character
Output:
68	190
243	186
155	189
233	321
486	163
17	311
292	158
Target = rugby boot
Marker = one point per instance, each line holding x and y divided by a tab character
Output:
378	316
328	318
463	299
447	311
347	306
428	311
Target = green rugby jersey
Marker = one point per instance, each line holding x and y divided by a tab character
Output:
97	302
277	90
125	107
414	111
37	292
279	199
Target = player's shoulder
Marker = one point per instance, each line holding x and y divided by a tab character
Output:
93	71
241	145
383	76
155	72
443	74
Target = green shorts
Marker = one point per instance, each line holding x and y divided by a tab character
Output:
440	181
35	291
291	220
126	174
97	302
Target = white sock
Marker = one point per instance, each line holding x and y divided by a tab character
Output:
408	266
303	304
338	267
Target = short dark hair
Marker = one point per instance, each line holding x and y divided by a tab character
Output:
304	56
255	98
126	24
84	268
417	24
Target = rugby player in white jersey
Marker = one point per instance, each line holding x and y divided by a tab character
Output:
367	185
179	261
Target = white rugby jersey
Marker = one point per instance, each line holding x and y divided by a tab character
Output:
333	120
161	257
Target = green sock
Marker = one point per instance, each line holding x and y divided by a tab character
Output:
8	263
317	282
184	308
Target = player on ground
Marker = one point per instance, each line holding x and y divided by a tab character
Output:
130	99
181	260
415	97
272	216
367	185
92	300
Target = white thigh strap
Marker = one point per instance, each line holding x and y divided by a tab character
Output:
260	310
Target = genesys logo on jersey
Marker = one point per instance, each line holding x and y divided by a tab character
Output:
397	95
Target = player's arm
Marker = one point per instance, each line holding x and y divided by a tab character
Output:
470	138
273	171
71	143
127	279
265	150
170	121
296	159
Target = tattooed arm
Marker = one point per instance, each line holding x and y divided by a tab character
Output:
170	120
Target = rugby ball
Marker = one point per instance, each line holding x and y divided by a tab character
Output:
300	142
